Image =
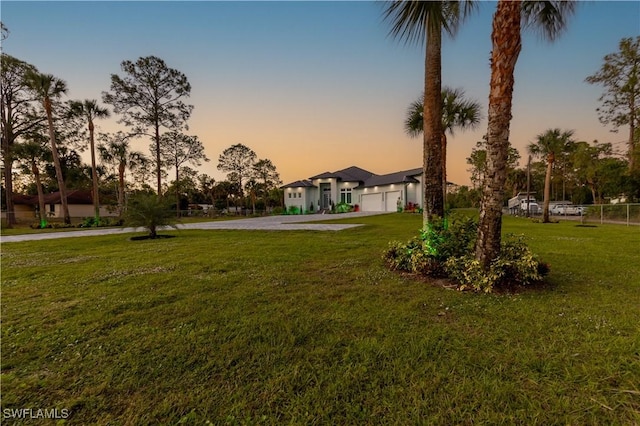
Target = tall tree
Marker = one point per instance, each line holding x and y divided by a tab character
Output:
150	97
117	152
549	17
591	163
89	110
620	76
238	161
420	21
48	89
18	117
206	186
34	151
267	176
457	113
549	146
177	149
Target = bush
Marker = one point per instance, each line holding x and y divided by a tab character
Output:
343	208
447	250
515	266
150	212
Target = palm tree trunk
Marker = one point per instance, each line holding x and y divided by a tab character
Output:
8	186
56	162
94	174
547	190
443	139
632	132
121	168
506	41
41	207
7	159
432	131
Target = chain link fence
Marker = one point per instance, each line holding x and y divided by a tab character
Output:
626	214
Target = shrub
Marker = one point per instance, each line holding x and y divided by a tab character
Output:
150	212
343	208
426	254
515	266
445	238
447	250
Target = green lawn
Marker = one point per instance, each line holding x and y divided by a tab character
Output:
247	327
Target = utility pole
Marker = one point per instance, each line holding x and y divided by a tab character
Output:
528	183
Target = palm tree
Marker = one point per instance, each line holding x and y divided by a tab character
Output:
416	21
549	17
151	212
548	146
90	110
33	151
48	88
457	112
117	152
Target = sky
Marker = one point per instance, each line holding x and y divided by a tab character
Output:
319	86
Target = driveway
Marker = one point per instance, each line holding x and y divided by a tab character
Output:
267	223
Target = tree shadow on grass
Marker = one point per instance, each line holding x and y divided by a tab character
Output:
148	237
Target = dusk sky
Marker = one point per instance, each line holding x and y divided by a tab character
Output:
318	86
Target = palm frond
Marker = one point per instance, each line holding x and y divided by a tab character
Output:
412	20
548	18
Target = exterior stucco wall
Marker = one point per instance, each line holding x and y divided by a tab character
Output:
28	212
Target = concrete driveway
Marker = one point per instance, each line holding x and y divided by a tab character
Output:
267	223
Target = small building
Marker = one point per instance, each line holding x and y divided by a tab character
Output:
356	186
79	201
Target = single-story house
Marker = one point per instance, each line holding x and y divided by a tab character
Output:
353	185
79	201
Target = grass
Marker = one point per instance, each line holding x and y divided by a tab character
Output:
247	327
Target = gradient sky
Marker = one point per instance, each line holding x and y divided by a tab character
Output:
318	86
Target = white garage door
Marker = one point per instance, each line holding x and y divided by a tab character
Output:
371	203
391	201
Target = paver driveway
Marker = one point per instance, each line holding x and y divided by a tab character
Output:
267	223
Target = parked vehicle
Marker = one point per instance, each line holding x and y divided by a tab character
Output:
518	204
566	210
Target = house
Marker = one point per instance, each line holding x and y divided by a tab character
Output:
353	185
79	201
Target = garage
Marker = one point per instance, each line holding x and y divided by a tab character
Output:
391	201
371	202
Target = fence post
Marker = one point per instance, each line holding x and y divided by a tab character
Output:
601	214
628	215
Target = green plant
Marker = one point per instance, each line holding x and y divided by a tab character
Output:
342	208
119	336
150	212
445	248
515	266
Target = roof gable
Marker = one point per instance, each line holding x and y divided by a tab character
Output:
350	174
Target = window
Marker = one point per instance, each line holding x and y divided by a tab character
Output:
289	195
345	195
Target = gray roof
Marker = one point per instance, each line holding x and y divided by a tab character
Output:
299	184
366	178
406	176
350	174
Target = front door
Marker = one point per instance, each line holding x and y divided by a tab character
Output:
326	198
